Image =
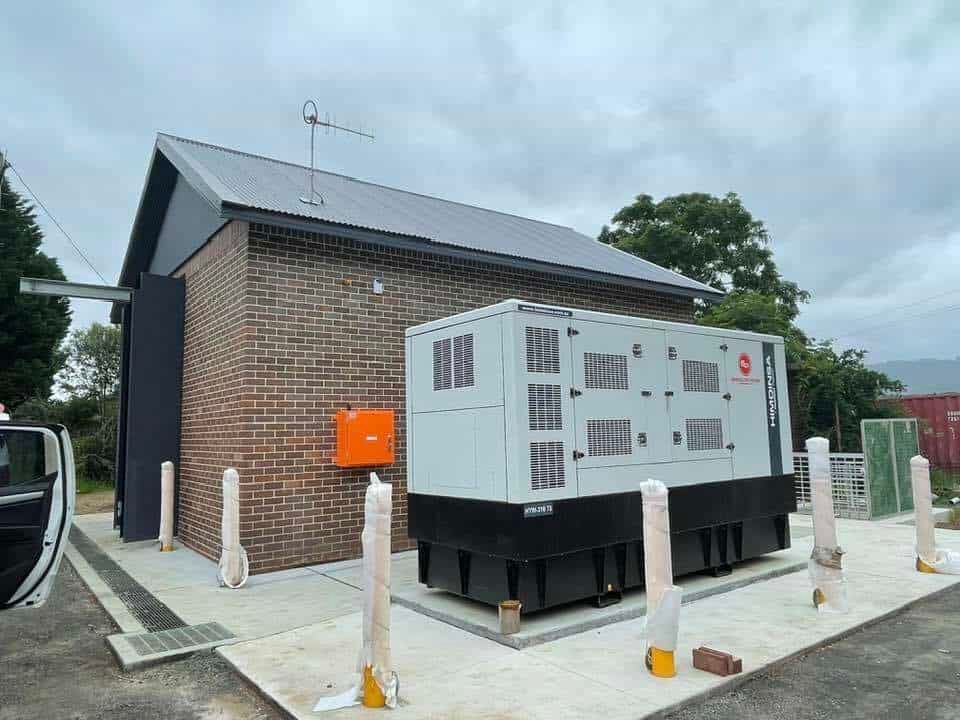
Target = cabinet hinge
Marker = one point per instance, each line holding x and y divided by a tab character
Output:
575	393
577	455
572	331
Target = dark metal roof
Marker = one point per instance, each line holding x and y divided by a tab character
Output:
237	183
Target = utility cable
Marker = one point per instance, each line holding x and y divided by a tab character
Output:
59	226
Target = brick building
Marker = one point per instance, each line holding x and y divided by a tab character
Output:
256	316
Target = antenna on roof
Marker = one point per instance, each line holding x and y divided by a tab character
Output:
311	116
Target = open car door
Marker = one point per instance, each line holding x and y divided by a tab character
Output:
37	494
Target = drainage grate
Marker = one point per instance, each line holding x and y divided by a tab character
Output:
152	614
182	638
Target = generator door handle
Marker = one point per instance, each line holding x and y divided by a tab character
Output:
668	393
646	393
677	438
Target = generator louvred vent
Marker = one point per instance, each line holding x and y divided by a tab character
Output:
605	372
463	360
704	434
700	376
543	350
546	465
453	362
544	405
609	437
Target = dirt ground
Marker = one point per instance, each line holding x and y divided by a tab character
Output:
98	501
904	667
55	665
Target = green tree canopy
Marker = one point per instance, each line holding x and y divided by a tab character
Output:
31	327
717	241
93	364
714	240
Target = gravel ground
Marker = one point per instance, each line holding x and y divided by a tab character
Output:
55	664
904	667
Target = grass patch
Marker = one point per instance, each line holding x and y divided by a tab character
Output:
86	485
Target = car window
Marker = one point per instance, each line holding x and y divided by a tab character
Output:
22	458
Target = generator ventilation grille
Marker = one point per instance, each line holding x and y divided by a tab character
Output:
704	434
543	350
700	376
605	372
609	437
546	465
543	402
453	362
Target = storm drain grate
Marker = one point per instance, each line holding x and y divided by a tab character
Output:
183	638
152	614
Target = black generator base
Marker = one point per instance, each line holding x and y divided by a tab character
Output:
569	550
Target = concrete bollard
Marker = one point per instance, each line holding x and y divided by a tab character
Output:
233	567
824	566
663	597
923	513
166	506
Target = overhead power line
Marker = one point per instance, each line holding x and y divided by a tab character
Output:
903	307
925	313
54	220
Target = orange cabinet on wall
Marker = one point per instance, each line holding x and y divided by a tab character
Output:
364	438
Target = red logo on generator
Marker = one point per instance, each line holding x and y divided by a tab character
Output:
745	364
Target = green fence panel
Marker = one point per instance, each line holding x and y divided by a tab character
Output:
888	446
878	467
906	445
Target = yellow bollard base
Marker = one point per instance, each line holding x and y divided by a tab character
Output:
373	696
166	548
661	663
923	567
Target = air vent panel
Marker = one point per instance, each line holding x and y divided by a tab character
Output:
609	437
546	466
605	372
700	376
543	350
704	434
543	402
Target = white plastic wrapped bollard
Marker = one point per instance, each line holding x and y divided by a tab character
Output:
663	597
376	682
234	567
826	571
166	506
929	557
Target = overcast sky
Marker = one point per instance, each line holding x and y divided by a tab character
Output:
838	127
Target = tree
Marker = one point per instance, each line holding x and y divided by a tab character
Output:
93	365
31	327
718	242
714	240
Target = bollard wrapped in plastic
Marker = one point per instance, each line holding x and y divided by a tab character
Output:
166	506
377	683
663	597
825	566
929	557
233	568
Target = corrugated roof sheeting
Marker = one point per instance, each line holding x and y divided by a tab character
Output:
239	179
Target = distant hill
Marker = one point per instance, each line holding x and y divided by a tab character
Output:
924	376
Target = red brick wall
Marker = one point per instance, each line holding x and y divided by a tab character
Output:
316	339
211	414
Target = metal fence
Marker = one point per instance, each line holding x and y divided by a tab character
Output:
851	489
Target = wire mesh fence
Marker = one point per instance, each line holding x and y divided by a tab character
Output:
851	492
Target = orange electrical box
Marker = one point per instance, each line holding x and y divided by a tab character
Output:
364	438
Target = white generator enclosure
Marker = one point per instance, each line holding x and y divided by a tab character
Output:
544	421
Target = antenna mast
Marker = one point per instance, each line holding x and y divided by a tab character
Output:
311	117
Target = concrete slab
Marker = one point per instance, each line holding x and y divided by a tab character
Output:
555	623
135	651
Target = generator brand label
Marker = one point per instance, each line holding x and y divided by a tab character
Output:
541	509
745	364
555	312
745	368
772	406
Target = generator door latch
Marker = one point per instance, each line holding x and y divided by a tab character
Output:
572	331
646	393
577	455
668	393
724	347
730	446
672	353
575	393
727	396
677	438
642	439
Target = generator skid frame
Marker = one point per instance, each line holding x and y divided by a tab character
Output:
530	428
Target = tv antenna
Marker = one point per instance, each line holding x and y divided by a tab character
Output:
311	116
